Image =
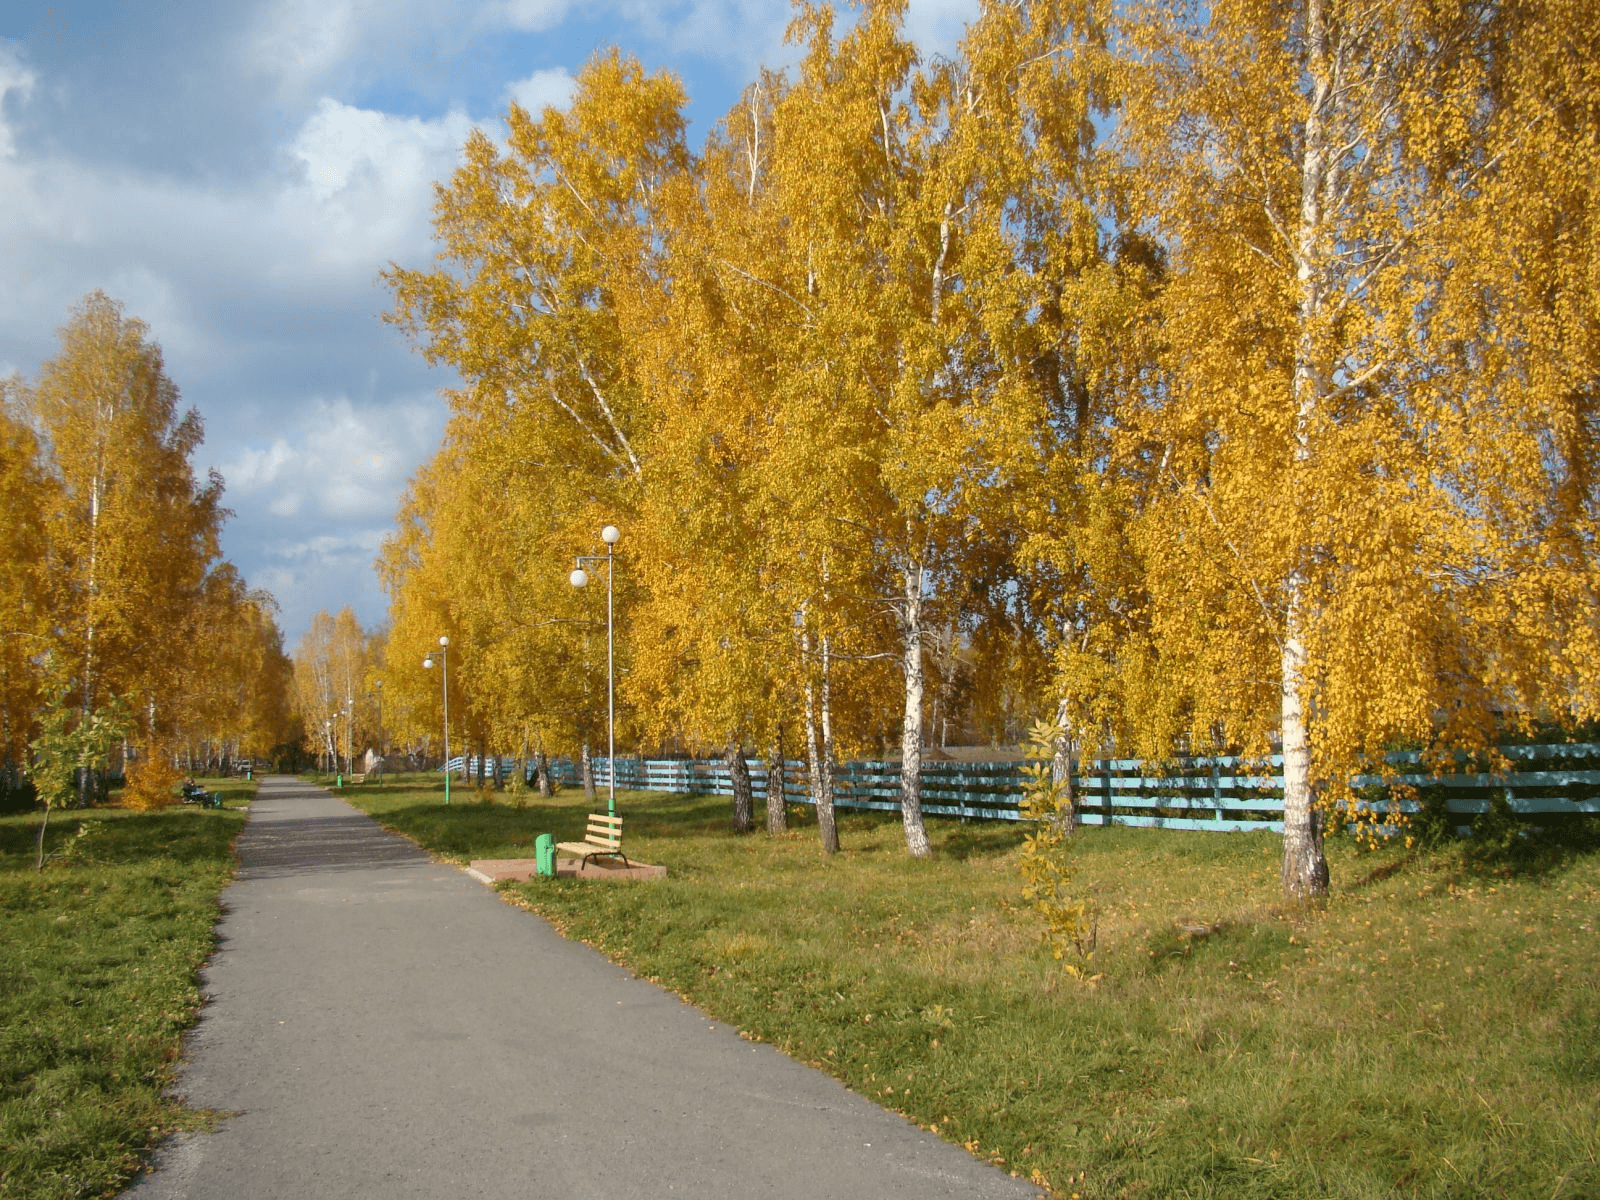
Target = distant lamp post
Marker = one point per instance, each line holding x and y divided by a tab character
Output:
580	578
444	679
327	740
378	693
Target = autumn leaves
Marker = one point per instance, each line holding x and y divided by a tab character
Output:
1216	383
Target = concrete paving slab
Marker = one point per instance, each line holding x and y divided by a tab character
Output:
520	870
383	1026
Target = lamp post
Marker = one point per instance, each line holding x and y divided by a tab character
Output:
580	578
379	692
444	678
327	739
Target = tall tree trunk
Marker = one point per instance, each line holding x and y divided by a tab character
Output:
586	769
1305	861
1061	769
542	774
1305	864
743	794
89	666
777	805
826	723
911	734
819	775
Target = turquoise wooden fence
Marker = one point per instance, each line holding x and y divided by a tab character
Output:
1223	793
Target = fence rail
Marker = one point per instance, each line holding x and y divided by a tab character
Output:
1225	794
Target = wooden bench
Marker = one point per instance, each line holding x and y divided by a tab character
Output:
359	778
604	840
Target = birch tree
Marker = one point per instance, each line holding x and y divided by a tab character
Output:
1348	462
548	274
132	532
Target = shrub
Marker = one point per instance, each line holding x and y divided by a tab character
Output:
152	783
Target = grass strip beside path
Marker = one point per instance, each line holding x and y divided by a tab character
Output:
1433	1031
99	961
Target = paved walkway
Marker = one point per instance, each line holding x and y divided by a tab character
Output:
386	1027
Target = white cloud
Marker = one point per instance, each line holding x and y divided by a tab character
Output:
528	16
367	184
551	88
15	77
341	461
746	34
317	500
300	42
304	46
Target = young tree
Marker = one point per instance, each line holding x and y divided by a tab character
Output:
70	747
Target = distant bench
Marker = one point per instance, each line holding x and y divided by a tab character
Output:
604	840
359	778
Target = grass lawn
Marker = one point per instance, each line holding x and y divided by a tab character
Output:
98	962
1432	1031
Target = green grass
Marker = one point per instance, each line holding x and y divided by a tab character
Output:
1432	1031
98	962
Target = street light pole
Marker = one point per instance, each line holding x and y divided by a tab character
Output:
580	578
380	732
444	675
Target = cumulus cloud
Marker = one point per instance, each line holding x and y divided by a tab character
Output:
550	88
342	461
316	500
366	184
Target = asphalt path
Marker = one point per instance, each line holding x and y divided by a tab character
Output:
381	1025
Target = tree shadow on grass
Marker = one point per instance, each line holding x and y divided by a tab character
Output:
113	837
988	840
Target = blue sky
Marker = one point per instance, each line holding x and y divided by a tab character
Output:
237	174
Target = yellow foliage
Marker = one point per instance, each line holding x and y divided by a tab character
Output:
1071	922
153	780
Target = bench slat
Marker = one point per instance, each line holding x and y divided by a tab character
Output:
604	837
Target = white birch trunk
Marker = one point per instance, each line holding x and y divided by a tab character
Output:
819	778
1305	864
827	741
90	604
911	734
1066	816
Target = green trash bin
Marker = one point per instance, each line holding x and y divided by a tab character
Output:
544	854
